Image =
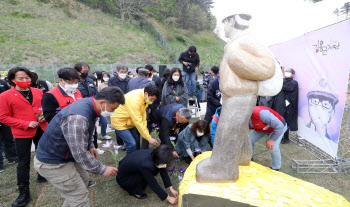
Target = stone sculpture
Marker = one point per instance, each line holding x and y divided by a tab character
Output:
247	65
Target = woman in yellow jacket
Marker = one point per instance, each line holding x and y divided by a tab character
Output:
132	116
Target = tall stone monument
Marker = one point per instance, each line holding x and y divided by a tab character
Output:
248	69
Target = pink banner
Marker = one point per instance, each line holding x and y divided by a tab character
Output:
321	60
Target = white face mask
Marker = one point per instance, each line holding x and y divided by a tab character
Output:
122	75
199	134
150	78
176	78
106	79
287	74
161	166
106	113
71	87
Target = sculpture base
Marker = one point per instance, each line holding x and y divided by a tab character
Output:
257	186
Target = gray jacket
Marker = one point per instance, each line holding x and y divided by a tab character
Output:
169	95
187	140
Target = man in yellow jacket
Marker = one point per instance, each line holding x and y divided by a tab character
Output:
131	117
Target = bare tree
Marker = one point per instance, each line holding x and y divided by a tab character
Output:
130	8
337	13
345	9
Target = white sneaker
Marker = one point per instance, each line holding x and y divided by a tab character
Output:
99	141
100	152
106	137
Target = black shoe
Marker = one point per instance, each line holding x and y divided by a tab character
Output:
91	184
252	159
10	162
41	179
285	141
24	196
275	169
142	196
123	148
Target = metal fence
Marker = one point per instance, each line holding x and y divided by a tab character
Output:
49	71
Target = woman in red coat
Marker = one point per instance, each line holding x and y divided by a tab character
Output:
20	108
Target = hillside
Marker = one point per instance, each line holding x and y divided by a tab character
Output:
50	33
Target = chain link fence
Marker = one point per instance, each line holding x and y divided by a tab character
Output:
49	71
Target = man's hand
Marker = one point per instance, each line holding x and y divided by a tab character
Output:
174	192
177	98
177	131
41	119
269	144
192	157
171	200
176	156
185	63
153	141
197	69
110	171
94	152
33	124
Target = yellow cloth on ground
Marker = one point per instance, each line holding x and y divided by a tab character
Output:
260	186
132	113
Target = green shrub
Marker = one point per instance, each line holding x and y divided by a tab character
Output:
2	38
21	16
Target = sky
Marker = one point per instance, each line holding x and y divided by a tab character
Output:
276	21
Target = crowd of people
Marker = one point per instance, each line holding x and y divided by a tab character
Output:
61	122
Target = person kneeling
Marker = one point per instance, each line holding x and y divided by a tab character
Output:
193	140
137	170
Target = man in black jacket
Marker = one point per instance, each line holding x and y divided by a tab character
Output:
291	93
214	96
120	78
86	85
190	61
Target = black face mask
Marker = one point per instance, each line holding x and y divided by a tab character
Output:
83	75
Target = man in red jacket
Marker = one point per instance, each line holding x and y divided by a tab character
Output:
20	108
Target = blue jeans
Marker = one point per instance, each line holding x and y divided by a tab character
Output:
130	138
103	124
190	80
275	153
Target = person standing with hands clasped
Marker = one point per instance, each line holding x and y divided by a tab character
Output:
174	90
66	152
20	108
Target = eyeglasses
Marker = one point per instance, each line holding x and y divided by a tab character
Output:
326	104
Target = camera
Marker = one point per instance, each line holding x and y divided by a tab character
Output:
189	65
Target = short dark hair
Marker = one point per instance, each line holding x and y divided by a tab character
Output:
79	66
170	80
152	90
192	49
292	70
162	154
68	74
12	74
149	67
143	72
111	95
202	125
98	74
166	73
137	69
215	69
34	79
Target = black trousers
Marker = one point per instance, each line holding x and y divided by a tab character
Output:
209	114
134	184
7	144
23	146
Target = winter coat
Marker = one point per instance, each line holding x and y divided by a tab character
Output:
170	93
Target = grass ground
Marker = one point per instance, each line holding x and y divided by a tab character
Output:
107	193
32	32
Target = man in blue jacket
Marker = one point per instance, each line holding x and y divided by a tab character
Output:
140	82
120	78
